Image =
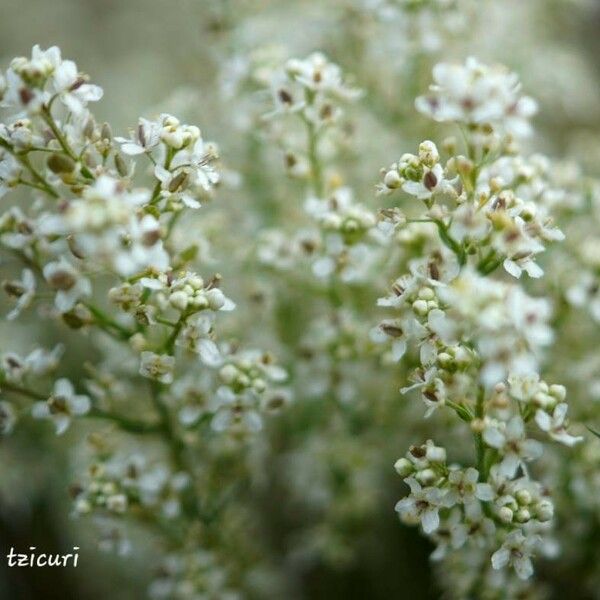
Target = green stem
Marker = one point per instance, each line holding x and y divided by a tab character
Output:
316	171
450	242
158	186
17	389
178	451
492	266
479	445
124	423
24	160
47	116
103	319
169	345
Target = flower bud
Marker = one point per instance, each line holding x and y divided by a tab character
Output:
392	180
435	454
523	497
179	300
477	425
420	307
449	145
106	132
522	515
60	163
426	476
505	514
558	391
215	298
228	374
403	467
121	165
544	510
138	342
428	153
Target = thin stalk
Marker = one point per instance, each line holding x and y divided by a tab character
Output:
479	445
178	451
24	160
450	242
23	391
49	119
104	319
124	423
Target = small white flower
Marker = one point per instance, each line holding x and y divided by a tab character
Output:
512	444
196	337
235	411
42	362
451	534
71	87
23	291
465	489
62	406
555	425
477	94
421	505
70	286
145	138
157	366
516	551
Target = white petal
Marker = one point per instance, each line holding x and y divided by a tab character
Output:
430	520
63	387
485	492
79	405
523	567
512	268
209	353
500	558
543	420
61	423
493	437
40	410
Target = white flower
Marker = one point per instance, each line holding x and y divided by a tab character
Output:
451	534
465	489
14	366
196	162
477	94
145	138
144	248
62	406
157	366
23	291
10	172
71	87
421	505
42	362
67	280
195	337
316	73
555	425
173	186
235	411
512	444
516	551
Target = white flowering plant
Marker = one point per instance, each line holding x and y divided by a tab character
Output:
231	348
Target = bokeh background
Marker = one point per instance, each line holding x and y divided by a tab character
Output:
177	55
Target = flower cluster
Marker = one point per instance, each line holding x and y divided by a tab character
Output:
100	253
479	338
